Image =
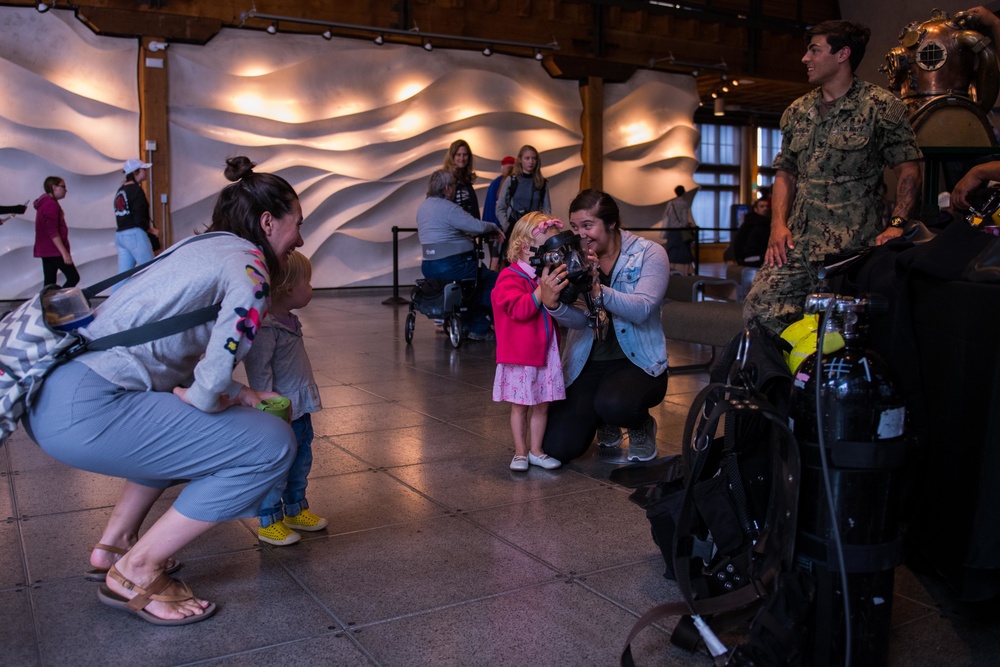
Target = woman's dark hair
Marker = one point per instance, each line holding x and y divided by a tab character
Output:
604	207
50	183
241	204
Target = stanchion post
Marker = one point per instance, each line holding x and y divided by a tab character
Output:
395	299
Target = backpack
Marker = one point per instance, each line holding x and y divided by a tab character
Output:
725	525
517	214
30	348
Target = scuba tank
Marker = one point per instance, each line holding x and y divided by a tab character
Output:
849	535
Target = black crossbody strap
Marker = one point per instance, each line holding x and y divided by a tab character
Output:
97	288
151	331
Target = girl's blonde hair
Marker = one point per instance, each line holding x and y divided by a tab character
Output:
536	177
520	234
297	268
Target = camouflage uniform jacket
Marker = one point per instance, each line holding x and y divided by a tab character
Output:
839	162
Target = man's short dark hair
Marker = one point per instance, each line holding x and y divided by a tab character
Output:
840	34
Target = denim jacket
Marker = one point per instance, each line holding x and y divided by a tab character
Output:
635	297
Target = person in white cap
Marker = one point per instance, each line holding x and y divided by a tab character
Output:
132	237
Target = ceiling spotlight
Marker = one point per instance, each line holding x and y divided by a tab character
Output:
735	82
715	96
695	73
428	46
273	28
487	52
538	55
725	89
380	40
327	35
42	7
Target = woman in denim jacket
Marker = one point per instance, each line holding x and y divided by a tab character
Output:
612	382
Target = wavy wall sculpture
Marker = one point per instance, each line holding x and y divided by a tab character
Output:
69	109
354	127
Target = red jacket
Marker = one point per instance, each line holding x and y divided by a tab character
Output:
49	222
523	328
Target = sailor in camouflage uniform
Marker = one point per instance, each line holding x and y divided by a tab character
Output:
836	142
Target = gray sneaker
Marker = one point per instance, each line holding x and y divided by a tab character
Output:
642	442
609	440
609	436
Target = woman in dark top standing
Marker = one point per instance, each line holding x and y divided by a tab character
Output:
459	162
525	191
132	218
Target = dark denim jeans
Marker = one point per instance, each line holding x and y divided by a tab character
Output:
466	266
289	497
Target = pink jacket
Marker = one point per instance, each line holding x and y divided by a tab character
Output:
523	328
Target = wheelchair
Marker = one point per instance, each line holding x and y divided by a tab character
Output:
448	300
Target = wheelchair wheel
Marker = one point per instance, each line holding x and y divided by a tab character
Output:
453	325
411	321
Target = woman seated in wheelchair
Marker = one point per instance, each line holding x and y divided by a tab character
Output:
446	234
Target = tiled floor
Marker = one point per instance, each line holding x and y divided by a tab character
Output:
436	553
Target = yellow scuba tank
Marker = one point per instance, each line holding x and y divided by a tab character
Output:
802	337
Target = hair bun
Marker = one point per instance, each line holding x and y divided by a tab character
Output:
238	167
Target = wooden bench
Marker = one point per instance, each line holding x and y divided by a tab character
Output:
689	317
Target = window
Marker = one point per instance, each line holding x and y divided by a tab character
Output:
768	145
718	181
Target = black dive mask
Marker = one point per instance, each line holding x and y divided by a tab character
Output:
564	248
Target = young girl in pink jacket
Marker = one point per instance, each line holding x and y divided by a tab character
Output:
529	373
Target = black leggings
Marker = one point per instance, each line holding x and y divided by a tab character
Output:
50	265
617	393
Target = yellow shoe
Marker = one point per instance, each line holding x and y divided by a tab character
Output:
305	520
278	534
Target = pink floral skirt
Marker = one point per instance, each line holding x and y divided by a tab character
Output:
531	385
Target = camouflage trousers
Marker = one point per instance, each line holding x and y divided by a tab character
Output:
777	295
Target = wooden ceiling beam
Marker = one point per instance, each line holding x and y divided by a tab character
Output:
131	23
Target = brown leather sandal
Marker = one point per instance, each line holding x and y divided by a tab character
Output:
99	573
137	605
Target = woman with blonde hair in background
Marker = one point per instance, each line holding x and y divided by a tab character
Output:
525	191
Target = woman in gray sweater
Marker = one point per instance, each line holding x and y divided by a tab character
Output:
169	411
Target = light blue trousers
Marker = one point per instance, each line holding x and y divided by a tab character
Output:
230	459
134	248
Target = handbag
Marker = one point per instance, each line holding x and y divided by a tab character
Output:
154	241
30	348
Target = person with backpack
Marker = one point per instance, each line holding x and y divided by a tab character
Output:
525	191
490	205
132	223
679	231
168	411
